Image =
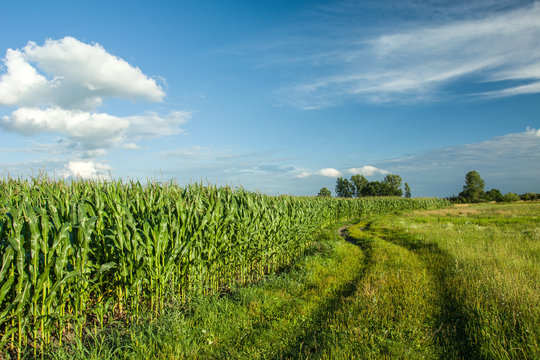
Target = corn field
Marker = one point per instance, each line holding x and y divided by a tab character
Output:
78	254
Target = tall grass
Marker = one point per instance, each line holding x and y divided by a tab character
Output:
453	283
84	253
486	258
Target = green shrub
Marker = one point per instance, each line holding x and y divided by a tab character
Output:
511	197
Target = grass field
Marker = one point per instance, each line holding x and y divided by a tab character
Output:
460	282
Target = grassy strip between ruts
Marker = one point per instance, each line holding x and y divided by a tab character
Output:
454	283
391	313
477	267
461	282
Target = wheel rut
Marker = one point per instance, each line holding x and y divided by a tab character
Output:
453	316
308	339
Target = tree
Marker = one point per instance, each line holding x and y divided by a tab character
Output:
511	197
391	186
407	191
494	195
529	196
359	182
374	188
344	188
473	190
324	192
359	186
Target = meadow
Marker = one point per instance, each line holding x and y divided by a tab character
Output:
455	283
81	258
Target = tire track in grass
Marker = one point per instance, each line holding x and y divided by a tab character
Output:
427	291
453	317
381	319
265	327
310	338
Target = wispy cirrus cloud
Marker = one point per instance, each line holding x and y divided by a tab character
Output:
493	54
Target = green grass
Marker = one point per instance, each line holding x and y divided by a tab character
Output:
453	283
265	320
483	265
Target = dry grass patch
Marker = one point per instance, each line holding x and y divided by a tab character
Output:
457	209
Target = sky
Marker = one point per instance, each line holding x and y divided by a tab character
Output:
280	97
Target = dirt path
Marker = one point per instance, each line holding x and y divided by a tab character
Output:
343	231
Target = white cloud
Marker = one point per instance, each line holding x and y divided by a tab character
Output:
367	170
131	146
56	89
499	51
74	75
20	79
330	172
532	88
96	153
153	125
533	132
93	130
86	170
303	174
265	171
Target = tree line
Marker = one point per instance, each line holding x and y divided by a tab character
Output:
473	192
359	186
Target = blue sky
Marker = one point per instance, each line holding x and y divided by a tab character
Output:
276	96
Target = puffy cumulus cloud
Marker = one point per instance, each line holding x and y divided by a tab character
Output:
93	130
86	170
56	88
367	170
74	75
20	80
533	132
328	172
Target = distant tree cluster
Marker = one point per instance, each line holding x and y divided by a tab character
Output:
530	196
324	192
473	192
359	186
